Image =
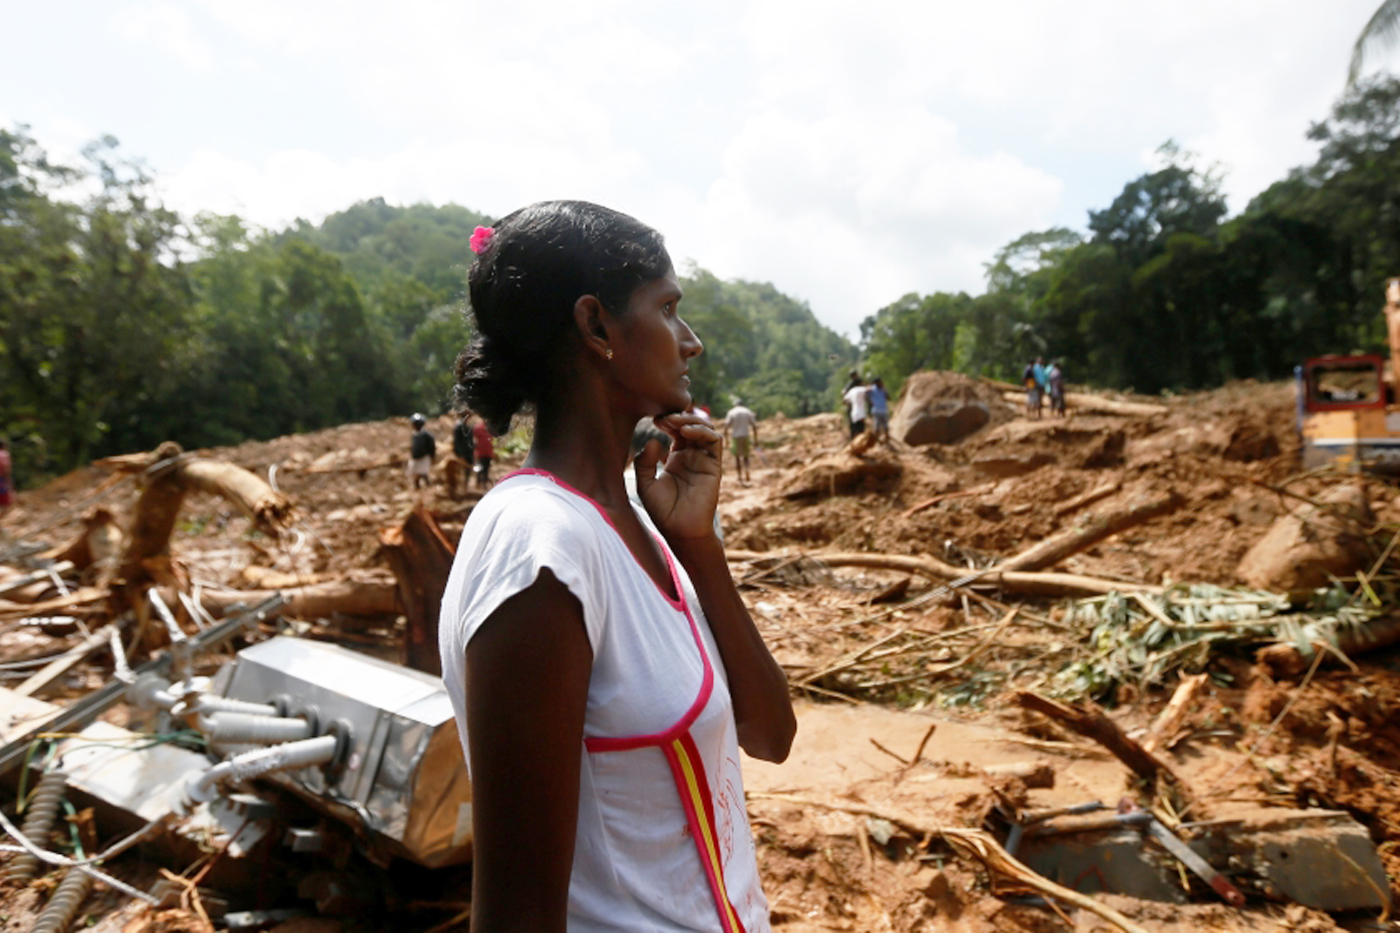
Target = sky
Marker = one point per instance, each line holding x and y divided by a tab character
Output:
849	153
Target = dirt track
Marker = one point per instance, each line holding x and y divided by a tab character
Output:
1232	457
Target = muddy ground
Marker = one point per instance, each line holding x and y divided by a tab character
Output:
1232	458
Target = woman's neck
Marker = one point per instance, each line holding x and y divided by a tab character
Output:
581	440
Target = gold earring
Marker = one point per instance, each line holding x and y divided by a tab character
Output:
609	352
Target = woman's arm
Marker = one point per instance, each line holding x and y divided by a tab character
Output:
682	503
528	668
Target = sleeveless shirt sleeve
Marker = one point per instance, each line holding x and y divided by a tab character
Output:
524	534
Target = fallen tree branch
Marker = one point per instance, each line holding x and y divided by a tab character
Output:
957	494
1159	735
348	468
1093	529
84	595
1084	402
1026	583
971	844
1088	498
1091	722
350	597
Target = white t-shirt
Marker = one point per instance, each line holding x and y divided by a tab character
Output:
858	398
741	421
637	855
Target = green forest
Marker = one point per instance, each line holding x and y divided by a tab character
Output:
123	324
1163	292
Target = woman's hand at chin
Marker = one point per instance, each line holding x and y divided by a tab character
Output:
682	500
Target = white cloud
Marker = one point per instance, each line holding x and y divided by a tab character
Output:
168	28
846	152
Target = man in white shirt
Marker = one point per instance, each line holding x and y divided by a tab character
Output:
743	425
857	399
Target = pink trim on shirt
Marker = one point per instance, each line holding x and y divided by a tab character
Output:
707	681
679	602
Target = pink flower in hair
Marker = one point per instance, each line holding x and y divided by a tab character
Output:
481	238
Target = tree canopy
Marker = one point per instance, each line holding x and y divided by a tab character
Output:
1166	292
123	324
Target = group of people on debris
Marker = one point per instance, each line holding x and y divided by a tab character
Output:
1041	380
471	447
867	403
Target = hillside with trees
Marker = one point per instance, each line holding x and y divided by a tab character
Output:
1164	292
123	324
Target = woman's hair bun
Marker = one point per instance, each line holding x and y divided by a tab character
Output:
488	384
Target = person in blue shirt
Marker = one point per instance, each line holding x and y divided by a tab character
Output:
1030	380
880	410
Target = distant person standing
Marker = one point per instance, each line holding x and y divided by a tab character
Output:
743	425
484	450
422	449
6	495
1055	378
1032	384
880	410
463	453
857	399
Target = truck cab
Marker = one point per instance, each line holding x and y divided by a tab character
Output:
1347	414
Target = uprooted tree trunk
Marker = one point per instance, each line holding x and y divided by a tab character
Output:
169	474
421	558
97	548
1022	582
1287	661
1106	521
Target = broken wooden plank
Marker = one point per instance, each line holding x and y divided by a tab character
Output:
67	661
1168	722
23	580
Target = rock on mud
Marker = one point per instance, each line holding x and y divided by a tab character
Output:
1308	548
944	408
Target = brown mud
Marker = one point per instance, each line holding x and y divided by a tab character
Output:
1232	456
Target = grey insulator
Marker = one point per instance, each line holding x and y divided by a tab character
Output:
208	703
38	821
240	728
62	909
199	788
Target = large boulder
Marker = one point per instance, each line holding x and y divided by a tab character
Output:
944	408
1313	545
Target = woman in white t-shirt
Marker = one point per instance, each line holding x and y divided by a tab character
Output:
603	669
